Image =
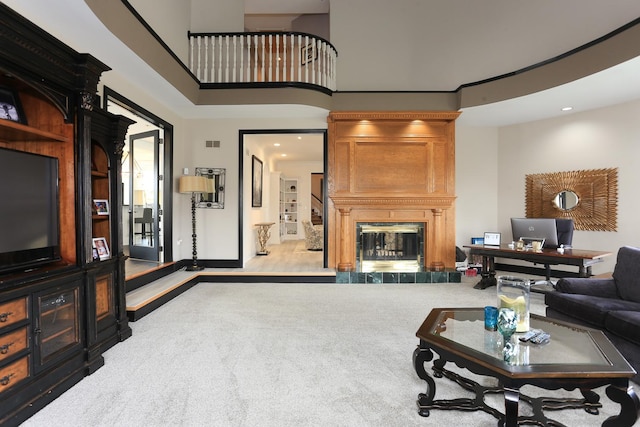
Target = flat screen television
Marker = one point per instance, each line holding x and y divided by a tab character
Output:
535	229
29	210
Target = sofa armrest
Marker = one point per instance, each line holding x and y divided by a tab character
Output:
605	288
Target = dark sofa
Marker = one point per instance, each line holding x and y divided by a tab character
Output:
611	305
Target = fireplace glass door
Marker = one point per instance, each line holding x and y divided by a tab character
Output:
390	246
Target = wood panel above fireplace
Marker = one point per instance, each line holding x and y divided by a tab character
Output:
389	167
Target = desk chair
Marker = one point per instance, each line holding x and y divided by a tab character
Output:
564	230
147	218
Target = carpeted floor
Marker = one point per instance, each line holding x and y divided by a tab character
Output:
279	355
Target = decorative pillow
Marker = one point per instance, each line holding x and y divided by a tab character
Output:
627	273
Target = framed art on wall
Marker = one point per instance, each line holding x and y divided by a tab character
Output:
256	182
308	54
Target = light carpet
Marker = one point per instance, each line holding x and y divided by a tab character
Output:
280	355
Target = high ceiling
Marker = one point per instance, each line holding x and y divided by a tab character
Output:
482	40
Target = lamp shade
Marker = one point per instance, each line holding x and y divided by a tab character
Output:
192	184
139	197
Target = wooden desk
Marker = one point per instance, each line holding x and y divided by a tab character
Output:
581	258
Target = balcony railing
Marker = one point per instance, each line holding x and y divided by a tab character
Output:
275	59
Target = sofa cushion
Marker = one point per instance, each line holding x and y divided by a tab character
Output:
605	288
625	324
589	309
627	273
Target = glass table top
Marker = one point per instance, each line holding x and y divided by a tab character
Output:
570	349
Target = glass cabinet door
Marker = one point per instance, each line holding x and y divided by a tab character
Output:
57	322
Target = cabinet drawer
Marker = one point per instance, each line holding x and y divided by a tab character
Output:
12	374
13	311
13	342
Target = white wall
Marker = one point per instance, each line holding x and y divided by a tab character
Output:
476	182
218	16
218	228
604	138
170	19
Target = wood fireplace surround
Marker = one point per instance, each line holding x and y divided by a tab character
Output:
391	167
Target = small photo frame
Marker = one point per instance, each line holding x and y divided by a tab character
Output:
101	246
492	239
10	107
101	206
308	53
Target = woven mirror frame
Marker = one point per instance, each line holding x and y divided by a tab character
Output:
596	191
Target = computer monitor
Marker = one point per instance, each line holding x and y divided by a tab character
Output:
535	229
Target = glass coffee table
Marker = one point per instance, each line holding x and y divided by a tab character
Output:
575	358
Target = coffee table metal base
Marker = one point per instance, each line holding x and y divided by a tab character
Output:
626	397
590	401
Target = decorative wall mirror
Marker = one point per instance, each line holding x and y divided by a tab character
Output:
566	200
589	197
214	197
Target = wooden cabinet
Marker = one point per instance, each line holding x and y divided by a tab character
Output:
57	319
108	322
14	343
56	324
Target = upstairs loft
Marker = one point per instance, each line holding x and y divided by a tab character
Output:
294	88
265	59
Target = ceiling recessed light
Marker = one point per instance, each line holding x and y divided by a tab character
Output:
277	144
567	108
283	155
299	137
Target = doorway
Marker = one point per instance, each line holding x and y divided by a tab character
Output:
292	154
146	195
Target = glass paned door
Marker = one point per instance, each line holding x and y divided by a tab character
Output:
144	207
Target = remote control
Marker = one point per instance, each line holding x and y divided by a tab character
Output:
530	335
541	339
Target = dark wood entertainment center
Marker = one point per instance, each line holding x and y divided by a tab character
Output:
57	320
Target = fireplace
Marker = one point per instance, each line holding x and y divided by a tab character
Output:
389	246
386	169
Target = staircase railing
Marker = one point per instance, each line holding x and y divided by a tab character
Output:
275	59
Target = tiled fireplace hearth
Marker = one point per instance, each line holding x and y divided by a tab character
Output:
449	276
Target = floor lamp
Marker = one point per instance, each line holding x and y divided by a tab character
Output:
193	185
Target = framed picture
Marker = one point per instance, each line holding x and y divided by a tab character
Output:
10	107
101	207
100	244
492	239
256	182
308	53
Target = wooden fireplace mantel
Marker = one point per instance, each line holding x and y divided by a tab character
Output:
391	167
